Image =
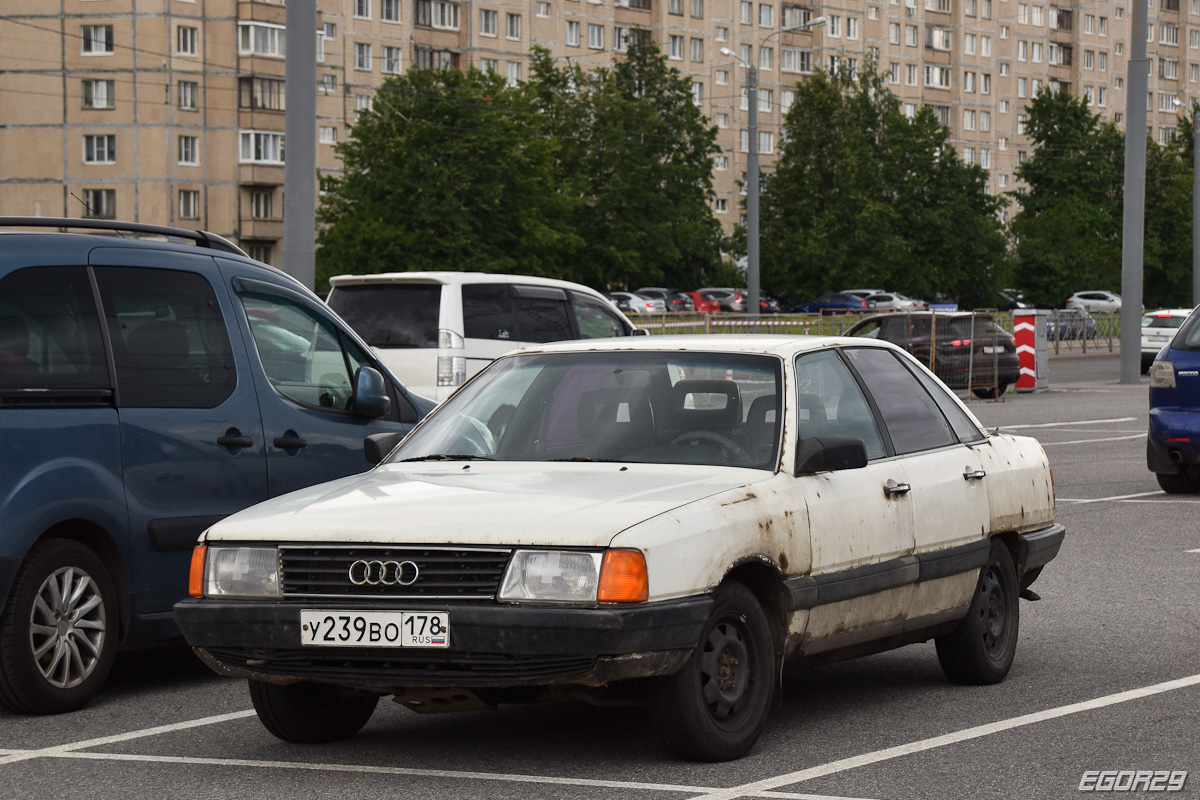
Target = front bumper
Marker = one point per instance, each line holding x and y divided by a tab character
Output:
1173	442
490	645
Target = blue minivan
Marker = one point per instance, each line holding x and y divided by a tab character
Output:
1173	443
149	388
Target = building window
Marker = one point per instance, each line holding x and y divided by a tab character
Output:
968	82
489	65
833	26
99	94
721	34
436	14
261	39
675	48
910	35
362	57
327	134
985	83
910	74
985	121
329	30
852	28
766	16
512	72
488	20
391	60
793	60
697	9
721	77
186	41
261	204
543	10
329	83
362	9
722	120
572	33
720	163
675	7
389	10
722	205
261	93
189	204
698	51
97	39
428	58
189	150
362	104
100	203
189	95
100	149
938	38
746	12
596	37
937	77
260	147
968	119
766	142
766	58
512	26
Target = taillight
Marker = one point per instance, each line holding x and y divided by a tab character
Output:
960	343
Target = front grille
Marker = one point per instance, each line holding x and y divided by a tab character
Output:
407	668
444	573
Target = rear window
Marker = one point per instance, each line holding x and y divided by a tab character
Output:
391	314
1166	321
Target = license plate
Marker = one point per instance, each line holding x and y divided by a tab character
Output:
341	628
989	349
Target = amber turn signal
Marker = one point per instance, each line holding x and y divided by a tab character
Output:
623	577
196	573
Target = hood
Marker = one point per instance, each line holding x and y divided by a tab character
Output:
485	503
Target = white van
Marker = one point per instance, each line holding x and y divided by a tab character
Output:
436	329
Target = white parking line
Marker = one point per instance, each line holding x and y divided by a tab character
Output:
1069	424
1113	498
1089	441
948	739
1191	551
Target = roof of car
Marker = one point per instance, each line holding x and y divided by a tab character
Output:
448	277
763	344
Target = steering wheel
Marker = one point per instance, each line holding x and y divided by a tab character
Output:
731	447
478	435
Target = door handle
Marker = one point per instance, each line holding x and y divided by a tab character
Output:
974	476
290	442
234	441
891	488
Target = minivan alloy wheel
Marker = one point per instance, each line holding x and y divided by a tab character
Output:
67	626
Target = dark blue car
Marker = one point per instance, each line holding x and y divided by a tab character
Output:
1173	445
836	302
147	390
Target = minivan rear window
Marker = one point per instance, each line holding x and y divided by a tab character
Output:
391	314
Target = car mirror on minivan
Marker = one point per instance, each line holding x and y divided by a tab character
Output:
370	393
640	332
829	454
377	446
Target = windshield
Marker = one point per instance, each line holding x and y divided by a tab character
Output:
639	407
391	314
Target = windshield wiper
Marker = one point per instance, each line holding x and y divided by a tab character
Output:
447	457
603	460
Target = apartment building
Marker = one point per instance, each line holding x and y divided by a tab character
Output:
172	111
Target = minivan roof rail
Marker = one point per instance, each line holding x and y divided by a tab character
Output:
201	238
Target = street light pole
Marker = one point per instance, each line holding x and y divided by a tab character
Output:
752	301
1195	205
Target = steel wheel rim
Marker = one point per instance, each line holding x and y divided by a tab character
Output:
994	612
67	625
726	671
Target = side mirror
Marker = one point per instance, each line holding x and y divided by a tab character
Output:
377	446
370	393
640	332
829	454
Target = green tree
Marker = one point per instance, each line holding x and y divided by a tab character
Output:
635	152
1167	263
1068	230
863	195
446	172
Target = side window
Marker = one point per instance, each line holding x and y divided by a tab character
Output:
964	427
169	339
870	330
830	402
487	311
913	419
595	320
301	352
541	313
49	331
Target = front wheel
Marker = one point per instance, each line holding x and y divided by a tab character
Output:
58	632
716	707
981	649
311	713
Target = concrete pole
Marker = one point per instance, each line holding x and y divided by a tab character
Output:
1133	231
300	135
752	305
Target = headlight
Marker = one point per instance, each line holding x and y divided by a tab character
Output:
552	575
1162	375
241	572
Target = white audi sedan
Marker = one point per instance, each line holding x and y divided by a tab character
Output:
663	518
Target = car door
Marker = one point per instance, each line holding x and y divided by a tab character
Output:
304	365
860	520
191	438
947	484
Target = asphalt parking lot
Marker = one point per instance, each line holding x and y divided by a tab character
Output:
1105	679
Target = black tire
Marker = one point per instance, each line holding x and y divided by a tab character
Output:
311	713
981	649
1177	484
56	655
991	392
716	707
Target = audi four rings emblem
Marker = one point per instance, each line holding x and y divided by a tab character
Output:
387	573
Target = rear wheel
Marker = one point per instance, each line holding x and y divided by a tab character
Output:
716	707
58	632
981	649
1177	484
311	713
991	392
